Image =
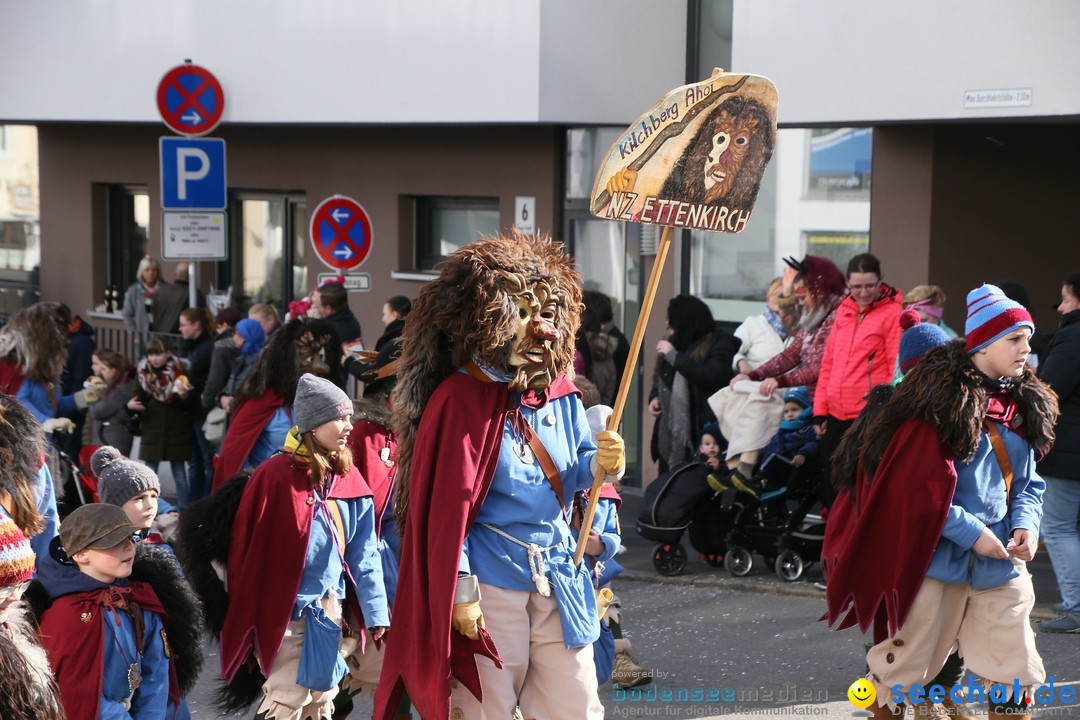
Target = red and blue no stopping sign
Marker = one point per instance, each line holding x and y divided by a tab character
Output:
190	100
341	232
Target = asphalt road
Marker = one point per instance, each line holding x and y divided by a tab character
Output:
739	647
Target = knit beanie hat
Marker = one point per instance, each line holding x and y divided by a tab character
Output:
918	338
991	315
16	555
120	479
799	395
253	334
318	401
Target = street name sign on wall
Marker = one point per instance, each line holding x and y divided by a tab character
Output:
354	282
194	236
192	173
341	232
190	100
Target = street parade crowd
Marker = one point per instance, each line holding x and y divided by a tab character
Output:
418	542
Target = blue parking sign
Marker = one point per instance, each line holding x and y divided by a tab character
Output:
192	173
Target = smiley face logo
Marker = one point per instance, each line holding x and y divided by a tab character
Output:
861	693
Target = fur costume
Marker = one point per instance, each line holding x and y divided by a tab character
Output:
935	418
471	312
27	687
203	546
447	327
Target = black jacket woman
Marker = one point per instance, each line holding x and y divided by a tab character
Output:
695	361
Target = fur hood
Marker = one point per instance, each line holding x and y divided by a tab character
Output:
372	410
949	392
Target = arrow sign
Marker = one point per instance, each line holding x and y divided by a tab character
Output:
190	100
341	232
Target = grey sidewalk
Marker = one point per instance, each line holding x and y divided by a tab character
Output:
639	566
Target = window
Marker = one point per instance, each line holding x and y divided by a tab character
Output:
444	224
128	222
267	249
814	198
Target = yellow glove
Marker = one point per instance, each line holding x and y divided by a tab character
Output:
64	425
467	619
610	451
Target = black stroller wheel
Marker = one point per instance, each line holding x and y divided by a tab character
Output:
789	565
738	561
714	559
669	559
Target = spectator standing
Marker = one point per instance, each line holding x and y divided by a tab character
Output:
222	357
608	327
266	315
171	298
860	352
81	346
393	316
110	413
819	289
138	299
695	362
929	300
1061	466
332	303
196	350
249	339
162	396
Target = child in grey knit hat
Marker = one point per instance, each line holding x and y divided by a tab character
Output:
132	486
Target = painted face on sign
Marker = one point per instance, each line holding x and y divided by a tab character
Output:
531	354
730	144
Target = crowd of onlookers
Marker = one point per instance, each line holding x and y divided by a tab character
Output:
215	395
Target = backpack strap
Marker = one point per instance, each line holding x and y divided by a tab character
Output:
1002	456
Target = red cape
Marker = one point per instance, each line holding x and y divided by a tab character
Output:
266	558
76	650
245	426
877	549
453	461
366	441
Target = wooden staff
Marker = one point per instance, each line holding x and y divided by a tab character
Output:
624	384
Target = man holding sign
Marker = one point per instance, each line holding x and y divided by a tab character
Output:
493	443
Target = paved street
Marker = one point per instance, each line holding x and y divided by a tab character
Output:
740	647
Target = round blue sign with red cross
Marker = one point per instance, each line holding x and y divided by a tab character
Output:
341	232
190	100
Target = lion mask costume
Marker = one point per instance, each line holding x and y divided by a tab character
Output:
511	302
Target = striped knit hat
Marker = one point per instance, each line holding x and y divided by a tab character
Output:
16	555
991	315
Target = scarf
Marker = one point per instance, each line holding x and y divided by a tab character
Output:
149	290
775	322
160	383
811	321
675	441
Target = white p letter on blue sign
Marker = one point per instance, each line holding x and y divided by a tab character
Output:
192	173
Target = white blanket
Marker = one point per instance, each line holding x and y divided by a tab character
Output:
747	418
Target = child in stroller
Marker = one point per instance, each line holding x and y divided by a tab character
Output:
774	503
678	500
793	445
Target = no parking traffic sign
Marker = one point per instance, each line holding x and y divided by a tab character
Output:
341	232
190	100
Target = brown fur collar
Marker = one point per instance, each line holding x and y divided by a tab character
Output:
947	391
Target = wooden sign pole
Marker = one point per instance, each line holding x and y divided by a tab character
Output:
624	385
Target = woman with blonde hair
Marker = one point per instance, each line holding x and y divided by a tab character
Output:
929	300
138	298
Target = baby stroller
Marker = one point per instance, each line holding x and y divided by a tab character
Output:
676	501
80	485
777	525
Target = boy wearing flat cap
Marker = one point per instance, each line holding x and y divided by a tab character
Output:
104	634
